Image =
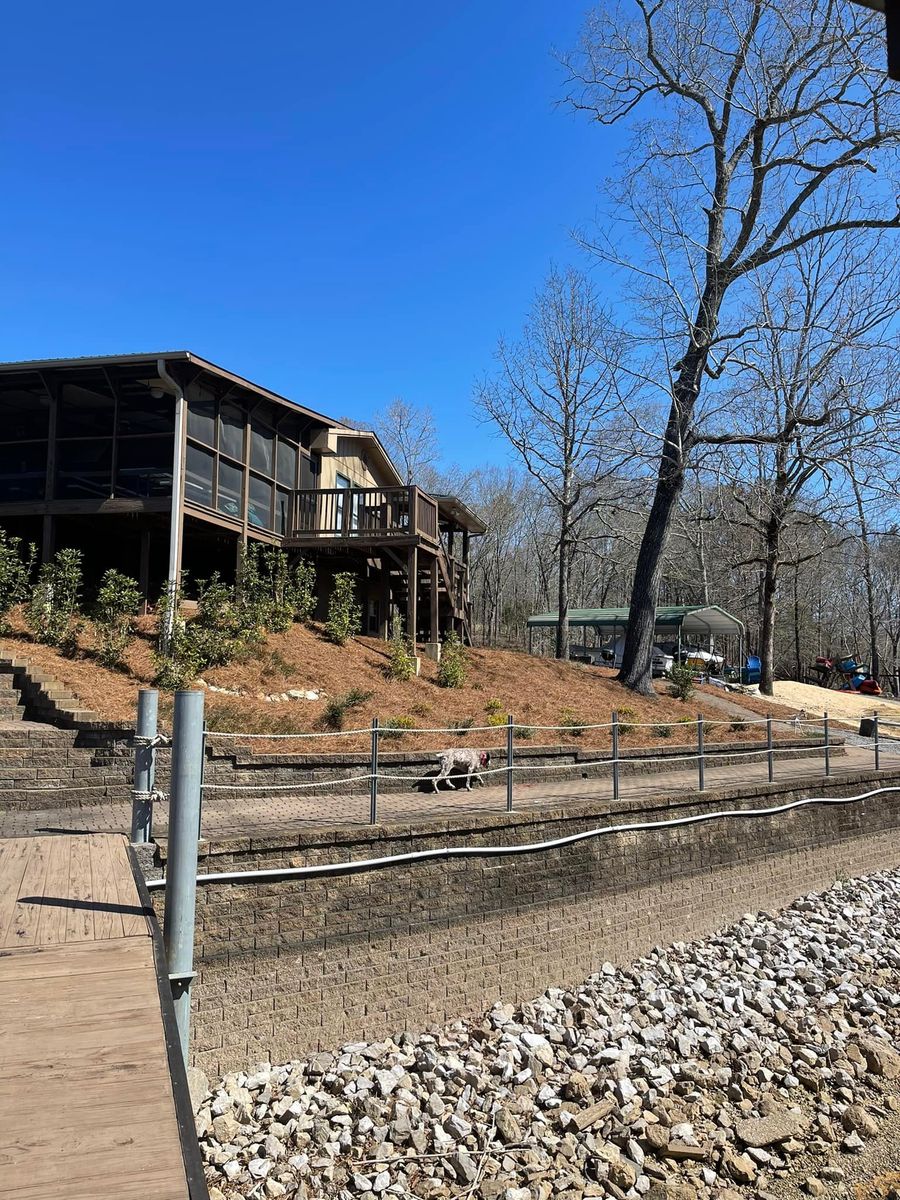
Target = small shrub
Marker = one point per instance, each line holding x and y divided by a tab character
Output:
461	728
401	659
338	707
496	719
493	706
278	667
176	656
523	733
117	603
303	577
395	727
344	611
571	722
627	717
681	682
454	663
738	726
663	731
52	611
16	567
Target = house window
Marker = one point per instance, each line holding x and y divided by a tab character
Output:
259	503
231	431
202	420
230	494
287	464
262	449
198	476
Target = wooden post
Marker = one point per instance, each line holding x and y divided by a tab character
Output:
412	594
434	635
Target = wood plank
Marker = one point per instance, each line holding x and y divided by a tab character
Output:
79	916
16	853
49	962
135	919
52	928
26	919
105	893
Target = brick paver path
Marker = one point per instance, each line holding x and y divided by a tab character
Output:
234	814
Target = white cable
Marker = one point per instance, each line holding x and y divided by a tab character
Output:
210	733
364	864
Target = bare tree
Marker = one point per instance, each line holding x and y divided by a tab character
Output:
555	399
409	435
768	127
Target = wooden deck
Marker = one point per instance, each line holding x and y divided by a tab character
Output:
86	1085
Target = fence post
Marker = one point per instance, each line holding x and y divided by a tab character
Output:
771	752
700	763
144	766
615	750
373	781
877	744
181	870
510	729
827	745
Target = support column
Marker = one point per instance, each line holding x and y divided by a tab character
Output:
434	632
385	600
144	570
412	593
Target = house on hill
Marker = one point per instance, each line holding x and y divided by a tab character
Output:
162	463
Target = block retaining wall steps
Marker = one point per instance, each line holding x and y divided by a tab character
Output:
291	967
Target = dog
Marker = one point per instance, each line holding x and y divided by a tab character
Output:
799	719
471	761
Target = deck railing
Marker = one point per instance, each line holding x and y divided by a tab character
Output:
364	513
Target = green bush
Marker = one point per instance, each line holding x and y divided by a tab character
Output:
344	611
176	657
663	731
395	727
338	707
16	567
572	722
627	717
738	726
496	719
401	659
454	663
681	681
493	706
461	727
52	611
117	604
303	578
523	733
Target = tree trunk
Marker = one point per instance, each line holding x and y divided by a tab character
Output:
798	658
874	664
562	626
769	588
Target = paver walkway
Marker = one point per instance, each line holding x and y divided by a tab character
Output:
233	814
85	1086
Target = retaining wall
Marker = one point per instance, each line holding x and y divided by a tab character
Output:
290	967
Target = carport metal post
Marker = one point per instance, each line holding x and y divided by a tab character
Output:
144	766
510	730
181	870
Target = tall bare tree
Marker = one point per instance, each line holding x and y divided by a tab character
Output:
555	398
408	433
765	125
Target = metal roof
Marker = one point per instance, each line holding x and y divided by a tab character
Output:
151	357
459	511
690	618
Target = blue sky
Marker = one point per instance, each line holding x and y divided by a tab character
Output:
344	203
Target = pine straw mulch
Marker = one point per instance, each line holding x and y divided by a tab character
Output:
536	691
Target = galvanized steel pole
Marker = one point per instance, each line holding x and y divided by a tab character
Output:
373	781
700	762
509	763
615	752
181	868
827	745
144	766
771	755
877	745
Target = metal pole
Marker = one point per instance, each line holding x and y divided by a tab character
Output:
615	750
181	870
144	766
827	745
373	782
700	762
771	755
510	729
877	744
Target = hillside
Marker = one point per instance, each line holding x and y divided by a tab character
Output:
536	691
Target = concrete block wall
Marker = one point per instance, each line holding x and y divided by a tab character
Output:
291	967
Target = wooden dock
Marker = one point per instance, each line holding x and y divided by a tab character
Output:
92	1087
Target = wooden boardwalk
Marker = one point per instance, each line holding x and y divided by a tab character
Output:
91	1088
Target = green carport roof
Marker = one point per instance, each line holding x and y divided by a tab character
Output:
690	618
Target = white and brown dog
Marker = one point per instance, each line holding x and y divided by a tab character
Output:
470	761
